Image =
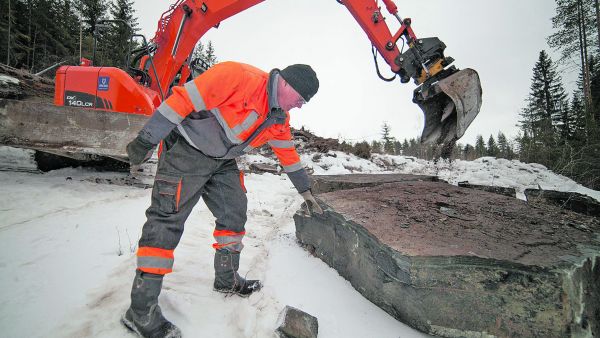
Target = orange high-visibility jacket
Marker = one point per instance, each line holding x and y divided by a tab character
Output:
220	111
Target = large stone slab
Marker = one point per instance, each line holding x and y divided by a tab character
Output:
459	262
510	192
326	183
565	200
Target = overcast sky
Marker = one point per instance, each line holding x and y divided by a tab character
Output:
499	39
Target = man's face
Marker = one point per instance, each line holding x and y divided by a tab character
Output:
287	96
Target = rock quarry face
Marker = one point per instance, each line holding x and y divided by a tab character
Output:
459	262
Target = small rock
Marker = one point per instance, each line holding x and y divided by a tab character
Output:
295	323
263	168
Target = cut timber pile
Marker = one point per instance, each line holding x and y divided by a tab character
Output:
458	262
26	87
29	119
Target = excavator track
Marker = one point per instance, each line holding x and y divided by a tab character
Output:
27	161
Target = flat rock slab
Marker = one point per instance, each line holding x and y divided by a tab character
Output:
326	183
458	262
566	200
510	192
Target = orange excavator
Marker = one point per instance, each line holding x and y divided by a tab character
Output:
98	110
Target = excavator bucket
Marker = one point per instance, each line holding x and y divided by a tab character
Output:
449	105
81	134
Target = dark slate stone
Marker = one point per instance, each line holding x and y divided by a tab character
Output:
458	262
260	168
327	183
295	323
510	192
567	200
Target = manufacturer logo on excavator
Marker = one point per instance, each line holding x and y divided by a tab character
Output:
103	82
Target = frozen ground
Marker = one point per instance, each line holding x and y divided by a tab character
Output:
68	252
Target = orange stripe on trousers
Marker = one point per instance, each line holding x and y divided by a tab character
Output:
155	252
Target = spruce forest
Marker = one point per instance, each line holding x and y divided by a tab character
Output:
558	127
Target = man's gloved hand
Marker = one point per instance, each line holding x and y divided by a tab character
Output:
139	151
311	203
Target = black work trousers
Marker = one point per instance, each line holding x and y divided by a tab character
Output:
185	174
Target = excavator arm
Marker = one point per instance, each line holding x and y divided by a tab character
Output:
450	98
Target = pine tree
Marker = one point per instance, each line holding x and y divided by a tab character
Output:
595	86
547	96
14	40
543	116
597	10
492	147
61	32
376	147
588	112
405	147
203	57
576	30
387	139
7	24
209	54
198	52
480	149
565	121
579	118
91	12
68	22
346	147
568	21
120	33
469	152
457	151
524	144
397	147
43	33
362	150
504	147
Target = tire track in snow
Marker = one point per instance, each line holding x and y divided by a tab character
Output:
63	210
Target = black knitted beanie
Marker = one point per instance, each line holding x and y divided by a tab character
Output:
302	78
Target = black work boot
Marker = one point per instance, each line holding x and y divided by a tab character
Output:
227	280
144	316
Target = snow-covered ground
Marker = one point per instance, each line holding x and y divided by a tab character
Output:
67	258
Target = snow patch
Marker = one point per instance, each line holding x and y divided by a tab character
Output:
5	80
68	255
